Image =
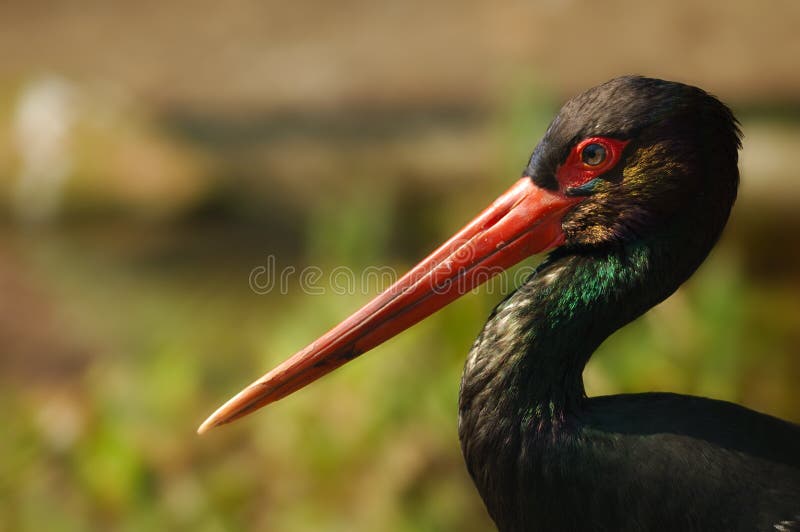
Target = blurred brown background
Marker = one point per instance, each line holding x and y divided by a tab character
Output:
151	156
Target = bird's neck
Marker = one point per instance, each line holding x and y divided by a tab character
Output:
522	382
536	343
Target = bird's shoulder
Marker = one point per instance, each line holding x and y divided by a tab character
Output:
709	421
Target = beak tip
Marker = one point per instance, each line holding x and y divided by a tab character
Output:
207	425
234	408
219	417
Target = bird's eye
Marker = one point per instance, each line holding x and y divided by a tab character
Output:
590	158
593	154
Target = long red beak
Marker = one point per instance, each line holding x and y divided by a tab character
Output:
522	222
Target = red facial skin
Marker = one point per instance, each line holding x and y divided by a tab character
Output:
574	172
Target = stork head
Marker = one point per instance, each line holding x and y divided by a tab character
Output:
626	159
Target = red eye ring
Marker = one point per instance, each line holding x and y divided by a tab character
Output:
604	156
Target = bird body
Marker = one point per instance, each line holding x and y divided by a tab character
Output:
546	457
629	190
638	462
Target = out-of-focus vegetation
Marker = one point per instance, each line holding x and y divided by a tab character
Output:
132	219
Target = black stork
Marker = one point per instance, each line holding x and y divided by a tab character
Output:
628	190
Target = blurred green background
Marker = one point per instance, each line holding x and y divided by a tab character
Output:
151	156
